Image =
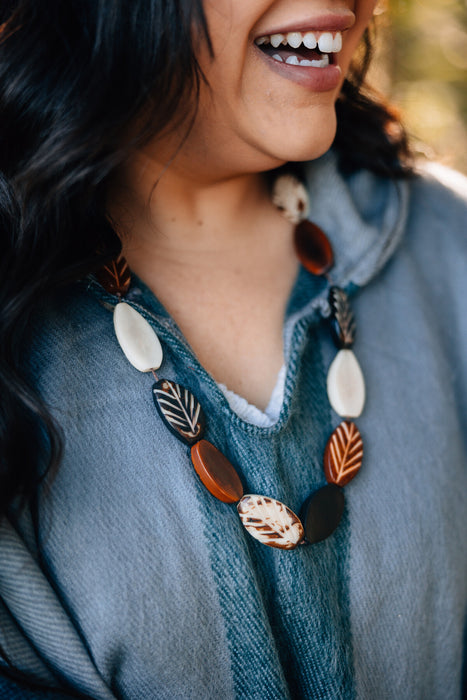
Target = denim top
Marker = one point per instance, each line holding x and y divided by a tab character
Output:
146	586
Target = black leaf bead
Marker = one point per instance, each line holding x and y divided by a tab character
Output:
342	319
180	410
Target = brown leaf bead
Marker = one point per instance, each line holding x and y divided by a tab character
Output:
313	248
115	277
343	454
216	472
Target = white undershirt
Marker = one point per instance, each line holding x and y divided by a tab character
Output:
252	414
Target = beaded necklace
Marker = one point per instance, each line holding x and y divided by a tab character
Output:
265	518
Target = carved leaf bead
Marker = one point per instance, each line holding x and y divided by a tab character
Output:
343	454
345	385
216	472
342	318
137	338
270	521
115	277
313	248
322	513
180	410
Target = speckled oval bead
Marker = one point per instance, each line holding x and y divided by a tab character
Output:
322	512
313	248
218	475
180	410
345	385
270	521
343	454
342	318
137	339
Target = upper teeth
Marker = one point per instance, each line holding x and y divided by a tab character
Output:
325	41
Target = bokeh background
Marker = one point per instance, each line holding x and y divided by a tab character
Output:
421	64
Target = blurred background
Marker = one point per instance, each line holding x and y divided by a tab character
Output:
421	64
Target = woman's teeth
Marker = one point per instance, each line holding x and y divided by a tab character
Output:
324	41
295	61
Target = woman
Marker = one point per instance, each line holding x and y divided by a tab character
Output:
157	128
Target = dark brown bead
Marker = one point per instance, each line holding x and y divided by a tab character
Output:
322	513
343	454
313	248
216	472
180	410
115	277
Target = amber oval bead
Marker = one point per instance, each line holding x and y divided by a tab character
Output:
322	513
313	248
216	472
343	454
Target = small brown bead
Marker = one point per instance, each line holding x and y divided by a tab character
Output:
216	472
343	454
115	277
313	248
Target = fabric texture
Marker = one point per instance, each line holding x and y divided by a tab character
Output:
129	580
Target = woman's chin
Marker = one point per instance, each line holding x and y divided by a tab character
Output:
303	148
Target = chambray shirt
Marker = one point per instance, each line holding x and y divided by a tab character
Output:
129	580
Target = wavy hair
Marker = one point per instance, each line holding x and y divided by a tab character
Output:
73	76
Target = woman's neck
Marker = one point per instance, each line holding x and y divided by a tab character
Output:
219	256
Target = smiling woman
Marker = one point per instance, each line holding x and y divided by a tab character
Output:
216	260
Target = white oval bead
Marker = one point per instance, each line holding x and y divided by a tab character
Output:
137	339
346	386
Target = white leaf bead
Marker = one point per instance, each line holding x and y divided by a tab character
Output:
137	339
270	521
346	386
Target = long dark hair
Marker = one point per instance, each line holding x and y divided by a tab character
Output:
73	76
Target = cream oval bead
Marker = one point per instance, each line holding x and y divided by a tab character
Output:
346	385
137	339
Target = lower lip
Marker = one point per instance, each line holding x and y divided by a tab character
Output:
314	79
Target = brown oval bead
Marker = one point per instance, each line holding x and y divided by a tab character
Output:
313	248
216	472
343	454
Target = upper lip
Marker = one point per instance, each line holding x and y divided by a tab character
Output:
331	22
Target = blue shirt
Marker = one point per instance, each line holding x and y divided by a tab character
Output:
148	587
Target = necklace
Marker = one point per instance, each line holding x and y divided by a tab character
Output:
265	518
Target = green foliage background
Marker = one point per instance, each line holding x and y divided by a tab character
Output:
422	67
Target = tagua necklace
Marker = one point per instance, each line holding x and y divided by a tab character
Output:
265	518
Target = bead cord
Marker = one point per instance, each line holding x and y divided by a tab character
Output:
266	519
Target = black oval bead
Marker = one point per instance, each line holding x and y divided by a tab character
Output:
180	410
322	512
